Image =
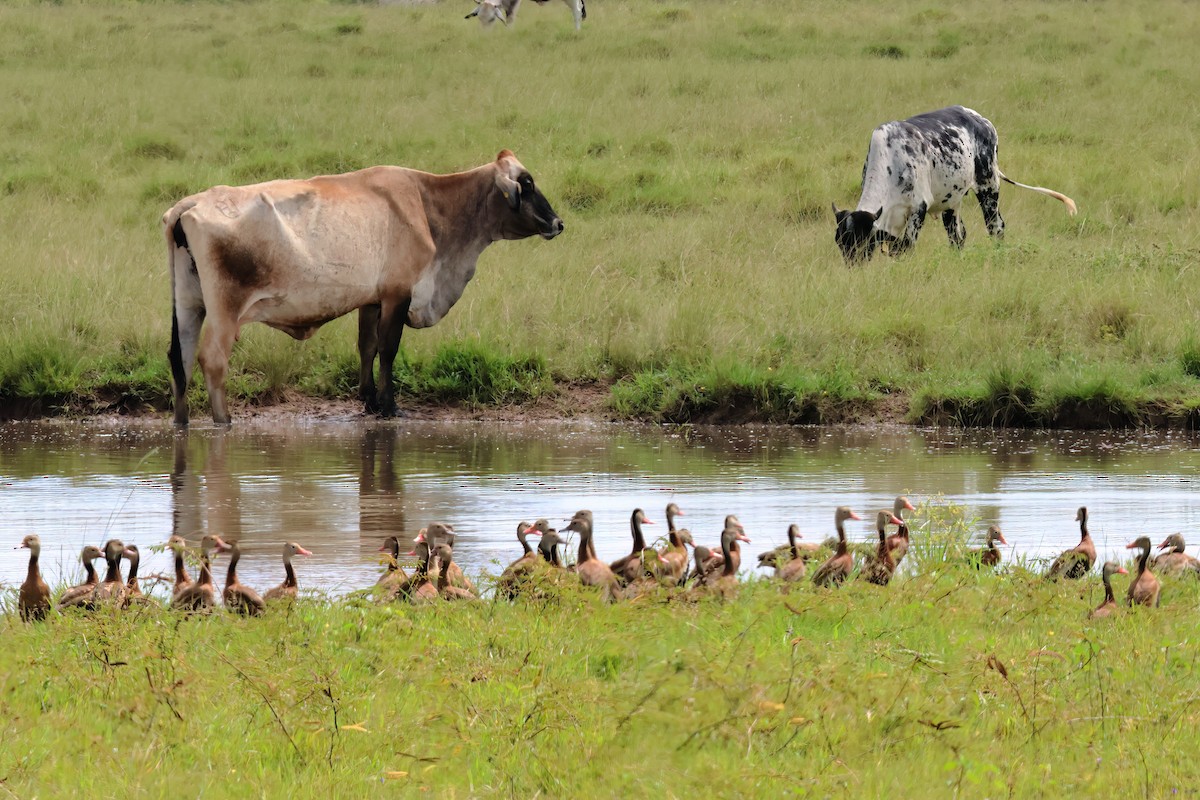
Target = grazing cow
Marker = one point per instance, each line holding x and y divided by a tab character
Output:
922	165
507	10
396	244
488	12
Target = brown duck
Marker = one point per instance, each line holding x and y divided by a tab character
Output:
726	582
717	559
516	574
989	554
880	569
395	574
899	541
795	568
112	588
201	596
1144	588
838	567
133	590
707	563
1109	606
590	569
784	553
437	533
182	579
237	596
1076	562
629	568
418	588
675	555
33	599
290	586
1175	561
445	556
80	595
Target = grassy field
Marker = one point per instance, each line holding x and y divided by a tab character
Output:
693	149
950	683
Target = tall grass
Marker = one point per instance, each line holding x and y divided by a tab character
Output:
979	684
693	150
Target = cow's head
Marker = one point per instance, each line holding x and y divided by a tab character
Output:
529	210
856	235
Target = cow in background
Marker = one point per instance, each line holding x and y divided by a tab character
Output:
489	11
922	165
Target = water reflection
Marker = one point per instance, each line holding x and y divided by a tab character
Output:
340	486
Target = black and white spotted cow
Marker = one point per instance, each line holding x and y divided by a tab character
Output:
926	165
489	11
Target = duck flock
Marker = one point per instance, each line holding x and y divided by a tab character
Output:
644	569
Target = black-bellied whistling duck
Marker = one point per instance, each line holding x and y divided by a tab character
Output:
80	595
548	548
237	596
590	569
838	566
112	588
510	582
1175	561
182	579
629	568
290	586
133	590
989	554
419	588
1109	605
441	532
201	596
899	541
707	563
675	555
445	556
882	566
795	568
395	574
33	600
1076	562
784	553
726	582
716	560
1144	588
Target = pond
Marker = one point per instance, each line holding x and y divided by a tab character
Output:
338	486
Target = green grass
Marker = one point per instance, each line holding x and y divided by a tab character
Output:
984	685
693	151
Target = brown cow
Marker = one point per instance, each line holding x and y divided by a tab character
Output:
396	244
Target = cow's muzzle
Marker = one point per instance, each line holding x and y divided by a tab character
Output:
553	229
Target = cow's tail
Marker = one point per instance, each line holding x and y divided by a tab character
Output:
182	268
1072	209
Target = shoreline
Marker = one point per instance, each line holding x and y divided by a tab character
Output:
595	401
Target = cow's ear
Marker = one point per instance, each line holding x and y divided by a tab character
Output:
509	188
879	213
838	214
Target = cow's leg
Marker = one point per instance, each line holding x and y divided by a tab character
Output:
989	202
368	346
956	231
185	339
912	229
216	345
391	327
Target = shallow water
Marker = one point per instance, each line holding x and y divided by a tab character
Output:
339	486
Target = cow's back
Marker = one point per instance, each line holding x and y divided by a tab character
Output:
297	253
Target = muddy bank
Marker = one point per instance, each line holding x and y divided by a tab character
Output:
594	400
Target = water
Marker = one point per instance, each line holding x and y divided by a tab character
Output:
339	486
